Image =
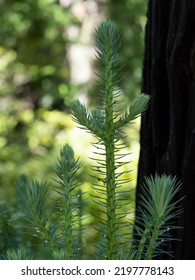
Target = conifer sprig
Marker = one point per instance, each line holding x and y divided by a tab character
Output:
54	222
104	125
159	207
68	206
33	203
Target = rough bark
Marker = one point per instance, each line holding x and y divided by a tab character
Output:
168	127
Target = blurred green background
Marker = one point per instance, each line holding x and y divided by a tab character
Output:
47	59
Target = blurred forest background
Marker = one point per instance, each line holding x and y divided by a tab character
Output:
47	60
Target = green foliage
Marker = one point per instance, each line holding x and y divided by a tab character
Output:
66	169
158	210
33	204
36	89
53	222
19	254
55	216
101	122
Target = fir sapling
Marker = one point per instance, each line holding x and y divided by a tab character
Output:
53	221
106	124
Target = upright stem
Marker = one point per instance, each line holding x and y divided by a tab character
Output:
68	221
142	243
153	240
110	163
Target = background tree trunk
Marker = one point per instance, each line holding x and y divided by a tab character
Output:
168	126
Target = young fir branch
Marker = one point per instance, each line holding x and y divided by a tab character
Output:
104	125
158	208
44	219
137	107
91	121
66	170
33	203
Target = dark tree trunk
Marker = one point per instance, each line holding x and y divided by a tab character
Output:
168	126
